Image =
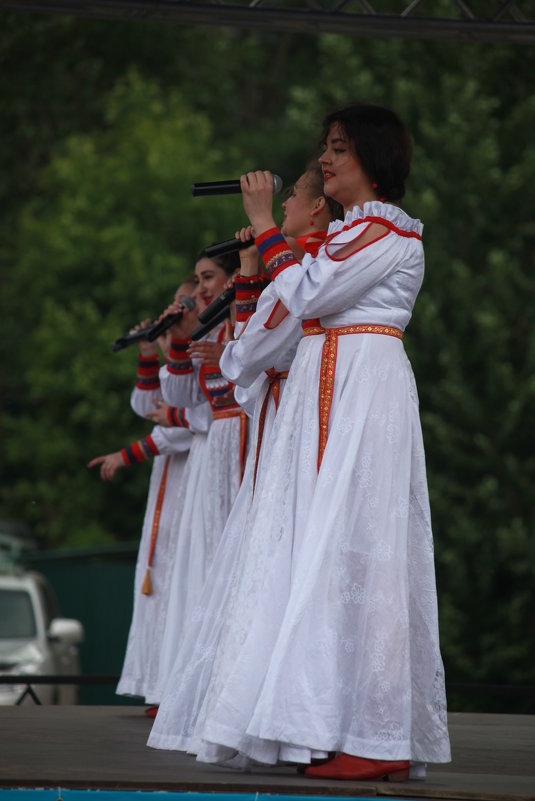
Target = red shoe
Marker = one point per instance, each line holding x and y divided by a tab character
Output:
352	768
151	711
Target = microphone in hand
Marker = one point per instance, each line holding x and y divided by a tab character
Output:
187	303
227	246
232	187
222	302
131	338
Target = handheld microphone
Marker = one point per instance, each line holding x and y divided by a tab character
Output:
222	301
227	246
131	338
227	187
202	330
160	328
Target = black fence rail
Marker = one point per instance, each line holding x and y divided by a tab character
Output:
522	693
29	680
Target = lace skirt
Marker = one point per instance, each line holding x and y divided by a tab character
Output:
141	663
213	481
330	637
189	678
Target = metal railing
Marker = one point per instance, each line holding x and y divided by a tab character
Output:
29	680
511	691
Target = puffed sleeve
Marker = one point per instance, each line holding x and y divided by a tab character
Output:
147	388
328	284
260	345
179	379
171	440
198	419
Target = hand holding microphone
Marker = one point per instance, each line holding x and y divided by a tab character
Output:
172	316
232	187
138	334
257	193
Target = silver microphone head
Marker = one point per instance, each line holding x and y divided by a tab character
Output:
277	184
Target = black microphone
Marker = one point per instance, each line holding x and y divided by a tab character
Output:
202	330
160	328
222	301
227	187
228	246
131	338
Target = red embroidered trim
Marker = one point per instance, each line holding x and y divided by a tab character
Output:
178	362
261	238
158	512
372	219
247	294
152	445
177	417
357	249
328	368
269	322
274	388
148	372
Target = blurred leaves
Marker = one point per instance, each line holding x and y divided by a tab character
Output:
104	128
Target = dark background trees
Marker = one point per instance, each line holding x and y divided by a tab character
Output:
103	128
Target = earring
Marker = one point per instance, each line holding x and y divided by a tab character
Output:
312	223
374	185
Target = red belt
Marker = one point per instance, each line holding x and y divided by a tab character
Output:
274	389
146	587
328	367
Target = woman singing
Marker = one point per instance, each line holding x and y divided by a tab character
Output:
331	639
259	361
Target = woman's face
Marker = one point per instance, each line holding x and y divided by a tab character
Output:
343	177
297	209
211	281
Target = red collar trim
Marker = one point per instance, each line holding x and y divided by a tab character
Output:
382	221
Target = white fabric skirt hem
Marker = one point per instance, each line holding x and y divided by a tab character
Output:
131	687
169	742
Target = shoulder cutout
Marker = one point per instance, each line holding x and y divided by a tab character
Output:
372	233
278	314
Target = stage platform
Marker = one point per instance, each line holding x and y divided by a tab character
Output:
104	747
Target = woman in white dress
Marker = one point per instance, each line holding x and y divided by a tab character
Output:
267	339
331	638
168	450
192	379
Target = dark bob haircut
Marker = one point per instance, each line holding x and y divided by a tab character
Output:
381	143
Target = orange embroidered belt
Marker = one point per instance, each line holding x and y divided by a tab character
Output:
224	414
328	367
274	389
146	588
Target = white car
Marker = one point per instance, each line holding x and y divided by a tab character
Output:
34	640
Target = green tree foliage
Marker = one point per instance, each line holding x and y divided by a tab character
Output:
100	144
104	242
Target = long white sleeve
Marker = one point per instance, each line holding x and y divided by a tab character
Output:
376	284
261	346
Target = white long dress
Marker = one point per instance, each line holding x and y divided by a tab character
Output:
330	641
141	663
213	481
177	446
258	348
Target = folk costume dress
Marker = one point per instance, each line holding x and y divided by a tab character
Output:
257	362
330	641
168	448
214	477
